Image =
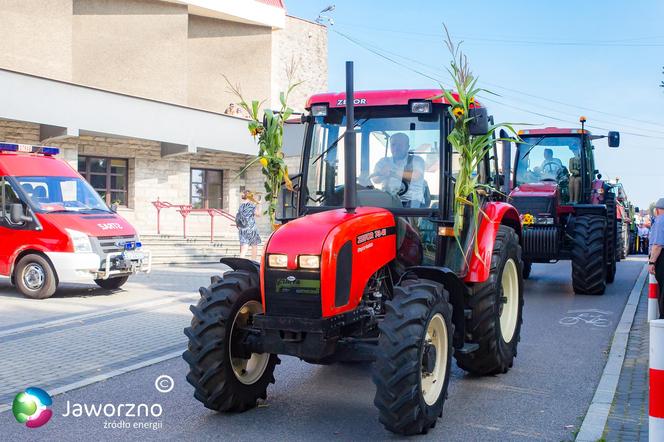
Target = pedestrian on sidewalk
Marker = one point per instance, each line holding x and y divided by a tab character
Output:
245	220
644	233
656	259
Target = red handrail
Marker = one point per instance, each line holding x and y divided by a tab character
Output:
185	210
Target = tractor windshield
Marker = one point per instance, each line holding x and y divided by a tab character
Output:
397	159
548	158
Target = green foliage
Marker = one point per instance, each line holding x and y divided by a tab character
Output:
269	134
472	149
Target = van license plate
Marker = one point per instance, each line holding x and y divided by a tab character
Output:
133	255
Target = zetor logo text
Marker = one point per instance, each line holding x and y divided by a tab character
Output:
32	407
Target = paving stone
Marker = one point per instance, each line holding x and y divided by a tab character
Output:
628	418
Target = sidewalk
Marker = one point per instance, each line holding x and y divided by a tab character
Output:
628	418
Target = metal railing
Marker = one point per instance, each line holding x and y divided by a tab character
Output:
187	209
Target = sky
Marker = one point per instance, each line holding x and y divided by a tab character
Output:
547	61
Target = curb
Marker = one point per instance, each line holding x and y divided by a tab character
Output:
592	428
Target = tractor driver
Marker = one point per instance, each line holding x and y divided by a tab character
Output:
550	165
402	174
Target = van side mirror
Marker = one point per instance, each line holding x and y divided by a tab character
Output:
17	215
614	139
479	125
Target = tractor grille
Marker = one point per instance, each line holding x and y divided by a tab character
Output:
293	293
534	205
541	242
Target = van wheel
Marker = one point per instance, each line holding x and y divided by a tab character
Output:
112	283
34	277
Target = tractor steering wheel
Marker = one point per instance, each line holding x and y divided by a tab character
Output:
551	167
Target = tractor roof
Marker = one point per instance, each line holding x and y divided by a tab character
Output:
380	98
552	131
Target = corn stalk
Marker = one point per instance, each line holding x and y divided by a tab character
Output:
269	134
472	149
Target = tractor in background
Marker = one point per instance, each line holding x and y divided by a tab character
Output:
366	267
568	212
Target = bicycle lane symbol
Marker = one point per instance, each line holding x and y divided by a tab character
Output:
593	317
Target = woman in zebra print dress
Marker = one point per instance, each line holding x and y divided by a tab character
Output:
249	236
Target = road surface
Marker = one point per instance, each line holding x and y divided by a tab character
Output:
561	356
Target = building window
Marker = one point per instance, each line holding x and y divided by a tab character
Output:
206	189
108	176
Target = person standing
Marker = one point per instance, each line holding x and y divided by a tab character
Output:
245	220
656	259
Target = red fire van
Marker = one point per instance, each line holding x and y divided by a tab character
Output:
55	228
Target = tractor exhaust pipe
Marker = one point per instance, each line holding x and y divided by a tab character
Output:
350	187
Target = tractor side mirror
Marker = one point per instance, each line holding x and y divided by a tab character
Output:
614	139
288	200
479	125
17	215
507	158
114	208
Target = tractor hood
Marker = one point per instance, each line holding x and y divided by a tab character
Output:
547	189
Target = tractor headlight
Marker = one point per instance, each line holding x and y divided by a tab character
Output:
319	110
279	261
80	240
420	107
309	261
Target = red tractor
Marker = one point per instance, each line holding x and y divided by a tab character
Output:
366	266
567	210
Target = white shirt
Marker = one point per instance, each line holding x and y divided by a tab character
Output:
393	183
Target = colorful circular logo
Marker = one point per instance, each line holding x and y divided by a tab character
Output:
32	407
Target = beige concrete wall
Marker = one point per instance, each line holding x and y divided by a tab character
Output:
19	132
240	52
154	49
136	47
36	37
304	44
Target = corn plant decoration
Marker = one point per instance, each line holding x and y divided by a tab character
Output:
471	148
269	134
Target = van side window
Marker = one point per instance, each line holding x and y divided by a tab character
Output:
8	196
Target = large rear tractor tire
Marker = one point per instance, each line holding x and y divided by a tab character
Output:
224	381
412	368
497	306
611	236
527	268
589	255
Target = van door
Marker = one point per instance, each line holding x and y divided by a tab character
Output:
12	235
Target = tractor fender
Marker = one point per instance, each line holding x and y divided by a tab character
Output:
495	214
243	264
457	290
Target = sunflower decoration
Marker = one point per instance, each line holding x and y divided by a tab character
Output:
268	131
528	219
458	112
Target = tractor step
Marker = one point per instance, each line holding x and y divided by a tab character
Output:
468	348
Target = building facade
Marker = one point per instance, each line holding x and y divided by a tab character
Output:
134	92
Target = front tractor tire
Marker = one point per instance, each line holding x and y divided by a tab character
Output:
497	307
412	368
224	381
589	270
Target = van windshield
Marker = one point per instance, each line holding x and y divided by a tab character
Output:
61	194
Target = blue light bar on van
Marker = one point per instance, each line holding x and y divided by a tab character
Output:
27	148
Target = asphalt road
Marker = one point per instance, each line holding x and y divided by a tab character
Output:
563	348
